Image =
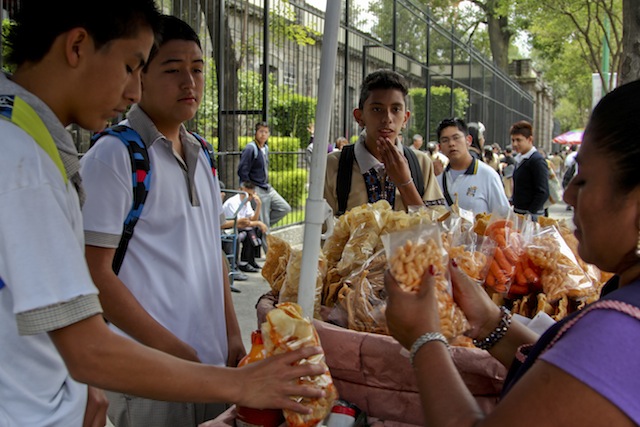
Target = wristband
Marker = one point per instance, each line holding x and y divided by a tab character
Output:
428	337
404	184
497	334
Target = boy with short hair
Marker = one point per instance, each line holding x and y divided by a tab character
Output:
172	279
74	68
531	175
473	184
250	229
381	170
254	167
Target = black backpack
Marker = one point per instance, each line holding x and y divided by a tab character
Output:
568	175
345	170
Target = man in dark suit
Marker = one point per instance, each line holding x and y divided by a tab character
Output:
531	176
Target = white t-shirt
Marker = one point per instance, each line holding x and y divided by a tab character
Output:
173	265
46	284
479	188
232	204
570	160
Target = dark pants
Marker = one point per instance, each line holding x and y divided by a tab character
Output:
251	240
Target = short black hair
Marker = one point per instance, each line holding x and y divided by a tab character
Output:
172	28
262	125
452	121
248	185
39	22
382	79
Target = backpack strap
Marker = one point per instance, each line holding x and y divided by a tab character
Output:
343	180
2	285
414	167
445	188
15	110
345	172
208	150
141	179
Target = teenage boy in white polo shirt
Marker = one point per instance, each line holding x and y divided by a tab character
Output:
476	185
172	291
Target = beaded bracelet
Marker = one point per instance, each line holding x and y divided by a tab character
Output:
497	334
428	337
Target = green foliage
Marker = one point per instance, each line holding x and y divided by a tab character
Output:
277	162
207	118
291	184
411	27
567	39
292	114
244	140
250	89
440	107
6	26
283	24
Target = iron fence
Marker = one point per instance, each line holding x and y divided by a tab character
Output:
263	63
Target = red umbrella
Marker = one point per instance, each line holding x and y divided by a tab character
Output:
572	137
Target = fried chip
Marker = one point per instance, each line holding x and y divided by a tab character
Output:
287	330
275	265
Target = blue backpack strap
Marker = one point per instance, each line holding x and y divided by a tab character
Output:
2	285
141	179
208	149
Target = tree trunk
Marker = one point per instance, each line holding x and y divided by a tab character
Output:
227	78
630	68
499	36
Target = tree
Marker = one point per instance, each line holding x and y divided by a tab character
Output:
492	22
556	25
630	67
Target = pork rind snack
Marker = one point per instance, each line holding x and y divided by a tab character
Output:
291	284
274	269
561	275
362	242
287	330
360	300
410	253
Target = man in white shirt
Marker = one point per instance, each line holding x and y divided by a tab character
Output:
250	228
473	184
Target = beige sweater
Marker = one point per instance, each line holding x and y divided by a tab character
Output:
358	194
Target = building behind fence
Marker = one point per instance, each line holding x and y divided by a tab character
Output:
263	64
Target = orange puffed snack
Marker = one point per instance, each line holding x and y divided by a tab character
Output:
408	264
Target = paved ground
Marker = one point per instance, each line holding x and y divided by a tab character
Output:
256	286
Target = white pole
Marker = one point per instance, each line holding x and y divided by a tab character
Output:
316	208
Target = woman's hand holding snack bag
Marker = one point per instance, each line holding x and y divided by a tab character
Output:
411	314
481	312
410	254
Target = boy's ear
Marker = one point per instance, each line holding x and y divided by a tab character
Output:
407	114
357	114
76	42
469	139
